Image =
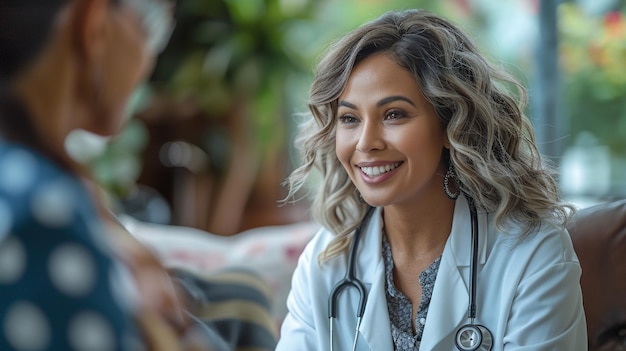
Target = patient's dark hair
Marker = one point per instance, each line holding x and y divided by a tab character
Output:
25	29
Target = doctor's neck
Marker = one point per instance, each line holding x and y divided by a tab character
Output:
421	227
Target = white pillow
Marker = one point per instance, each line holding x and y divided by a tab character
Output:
270	251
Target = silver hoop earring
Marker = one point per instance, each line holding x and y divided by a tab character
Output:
450	174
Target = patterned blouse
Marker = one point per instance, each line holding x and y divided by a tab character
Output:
60	288
400	308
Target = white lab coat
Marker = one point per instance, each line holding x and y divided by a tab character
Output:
528	292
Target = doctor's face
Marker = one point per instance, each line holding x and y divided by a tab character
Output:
389	138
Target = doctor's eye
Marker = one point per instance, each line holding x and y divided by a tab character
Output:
394	115
347	119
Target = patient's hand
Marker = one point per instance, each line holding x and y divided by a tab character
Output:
161	302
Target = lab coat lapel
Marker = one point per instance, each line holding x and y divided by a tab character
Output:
448	306
449	303
375	327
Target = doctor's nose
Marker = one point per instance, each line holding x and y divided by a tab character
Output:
370	138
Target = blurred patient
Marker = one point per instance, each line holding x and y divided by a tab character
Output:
70	277
65	65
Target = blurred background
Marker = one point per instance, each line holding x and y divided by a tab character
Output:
210	137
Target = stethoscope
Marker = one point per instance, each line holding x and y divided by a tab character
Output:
469	337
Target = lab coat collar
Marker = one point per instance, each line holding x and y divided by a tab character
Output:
375	326
450	300
449	304
458	244
460	239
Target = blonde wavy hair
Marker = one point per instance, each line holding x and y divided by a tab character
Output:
492	145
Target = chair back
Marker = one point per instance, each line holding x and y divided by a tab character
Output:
599	237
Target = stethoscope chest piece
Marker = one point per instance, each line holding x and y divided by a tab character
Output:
473	337
470	337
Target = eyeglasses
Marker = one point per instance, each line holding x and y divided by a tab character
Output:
158	21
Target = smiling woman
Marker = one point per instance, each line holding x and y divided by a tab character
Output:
429	165
390	130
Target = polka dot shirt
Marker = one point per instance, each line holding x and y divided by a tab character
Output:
59	287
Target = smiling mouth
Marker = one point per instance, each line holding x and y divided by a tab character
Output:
376	171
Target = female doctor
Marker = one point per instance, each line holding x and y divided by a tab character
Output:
444	229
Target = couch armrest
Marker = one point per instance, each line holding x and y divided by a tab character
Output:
599	237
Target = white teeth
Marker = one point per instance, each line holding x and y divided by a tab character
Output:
376	171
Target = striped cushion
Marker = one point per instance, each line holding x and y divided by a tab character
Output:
232	303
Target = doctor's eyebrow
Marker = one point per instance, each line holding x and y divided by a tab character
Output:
380	103
389	99
347	104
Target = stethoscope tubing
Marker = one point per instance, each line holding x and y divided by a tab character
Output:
471	310
351	281
472	336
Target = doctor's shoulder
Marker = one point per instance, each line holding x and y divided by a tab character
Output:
316	246
32	184
548	244
313	273
540	272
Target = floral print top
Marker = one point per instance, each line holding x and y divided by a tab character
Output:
400	308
